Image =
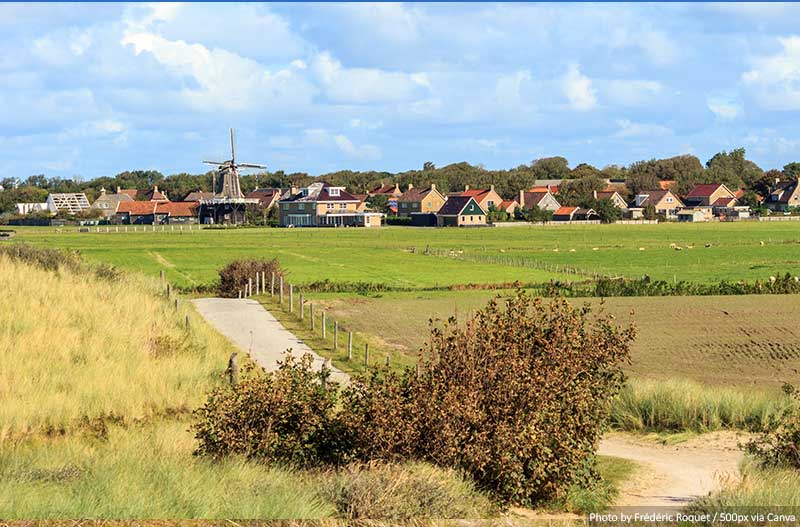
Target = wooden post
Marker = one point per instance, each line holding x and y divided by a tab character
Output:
291	299
350	345
324	326
162	277
311	314
335	335
249	287
280	285
233	368
366	354
187	322
176	304
302	307
264	282
272	285
258	289
388	359
169	291
240	294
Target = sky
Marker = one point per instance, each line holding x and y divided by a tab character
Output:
91	90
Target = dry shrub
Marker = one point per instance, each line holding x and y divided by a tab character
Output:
234	276
284	417
516	398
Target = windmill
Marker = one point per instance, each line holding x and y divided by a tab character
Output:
226	186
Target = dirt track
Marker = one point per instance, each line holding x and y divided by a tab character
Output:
672	476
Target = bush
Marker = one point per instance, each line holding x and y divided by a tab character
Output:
234	276
381	491
56	259
780	447
283	417
516	398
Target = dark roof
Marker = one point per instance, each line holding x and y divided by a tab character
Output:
197	195
654	197
454	205
415	194
264	195
704	190
723	202
385	189
784	192
607	194
532	198
319	192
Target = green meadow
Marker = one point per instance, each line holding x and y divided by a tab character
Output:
397	256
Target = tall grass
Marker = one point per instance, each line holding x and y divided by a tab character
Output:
676	405
145	473
770	488
74	349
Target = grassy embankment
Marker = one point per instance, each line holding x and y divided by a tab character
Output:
97	380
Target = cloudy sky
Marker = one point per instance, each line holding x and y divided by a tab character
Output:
94	89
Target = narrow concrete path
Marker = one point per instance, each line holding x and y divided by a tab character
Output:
254	330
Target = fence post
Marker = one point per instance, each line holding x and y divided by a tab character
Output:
169	291
280	284
258	283
249	287
335	335
233	368
291	299
272	285
350	345
176	304
302	307
264	282
162	277
366	354
311	313
187	322
240	294
388	359
324	326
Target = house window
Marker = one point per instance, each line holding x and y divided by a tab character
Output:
330	206
490	204
301	206
472	218
334	192
342	205
463	218
669	200
404	205
285	206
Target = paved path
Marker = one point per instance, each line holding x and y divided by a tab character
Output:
255	331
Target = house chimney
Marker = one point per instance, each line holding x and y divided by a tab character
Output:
410	186
491	188
521	198
594	194
293	191
155	189
433	186
466	188
102	191
118	189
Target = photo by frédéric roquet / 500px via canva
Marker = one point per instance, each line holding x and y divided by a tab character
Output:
399	263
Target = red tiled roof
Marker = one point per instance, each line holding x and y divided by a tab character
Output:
508	203
138	208
177	208
132	192
666	184
703	191
565	211
739	193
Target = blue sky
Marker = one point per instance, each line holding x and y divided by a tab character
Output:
94	89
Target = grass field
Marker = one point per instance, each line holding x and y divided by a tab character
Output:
739	341
396	255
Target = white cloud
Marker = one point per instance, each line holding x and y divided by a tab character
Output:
775	78
578	89
363	85
628	129
321	138
725	108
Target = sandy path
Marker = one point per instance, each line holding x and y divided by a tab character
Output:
673	476
254	330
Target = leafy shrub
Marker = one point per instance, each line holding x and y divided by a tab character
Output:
780	446
382	491
283	417
234	276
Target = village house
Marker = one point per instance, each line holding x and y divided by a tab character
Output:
612	195
135	212
107	203
785	196
323	205
486	198
461	211
420	200
509	206
709	195
176	212
692	215
546	185
575	214
663	201
392	193
538	197
267	197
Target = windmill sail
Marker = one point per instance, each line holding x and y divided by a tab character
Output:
226	185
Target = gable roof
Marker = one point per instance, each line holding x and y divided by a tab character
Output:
723	202
177	208
654	197
565	211
393	188
706	190
455	204
197	195
535	197
784	192
137	208
607	194
264	195
505	204
69	201
417	194
666	184
132	192
320	191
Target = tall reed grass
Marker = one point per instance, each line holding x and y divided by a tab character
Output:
75	349
765	490
676	405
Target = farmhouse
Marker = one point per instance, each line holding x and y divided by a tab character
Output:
541	198
135	212
664	201
461	211
414	200
709	195
176	212
107	203
323	205
267	197
613	196
785	196
486	198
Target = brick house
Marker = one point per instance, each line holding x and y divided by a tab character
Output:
420	200
540	197
324	205
461	211
486	198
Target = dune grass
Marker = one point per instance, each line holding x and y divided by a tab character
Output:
775	490
74	348
679	405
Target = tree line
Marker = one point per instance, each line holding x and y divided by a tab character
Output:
730	168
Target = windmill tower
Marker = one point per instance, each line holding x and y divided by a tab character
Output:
226	179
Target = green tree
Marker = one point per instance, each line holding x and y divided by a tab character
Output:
537	215
580	192
607	211
649	212
732	169
378	203
550	168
